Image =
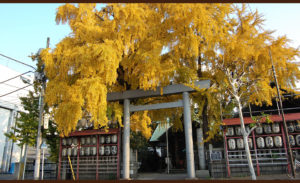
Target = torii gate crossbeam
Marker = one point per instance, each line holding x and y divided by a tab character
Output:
168	90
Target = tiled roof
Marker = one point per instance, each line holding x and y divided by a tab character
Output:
274	118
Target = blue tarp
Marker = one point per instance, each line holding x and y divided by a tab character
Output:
12	168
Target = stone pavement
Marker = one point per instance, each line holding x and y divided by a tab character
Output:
164	176
4	176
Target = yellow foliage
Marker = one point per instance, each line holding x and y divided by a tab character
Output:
144	46
140	121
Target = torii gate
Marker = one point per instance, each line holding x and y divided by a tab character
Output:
168	90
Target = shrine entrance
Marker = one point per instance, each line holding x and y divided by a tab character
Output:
168	90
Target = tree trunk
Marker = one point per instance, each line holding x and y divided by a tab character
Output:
21	165
245	137
25	160
205	123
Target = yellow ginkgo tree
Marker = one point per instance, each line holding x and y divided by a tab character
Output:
123	47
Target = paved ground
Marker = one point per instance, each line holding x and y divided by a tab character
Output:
7	177
163	176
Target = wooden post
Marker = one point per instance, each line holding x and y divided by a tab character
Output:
78	152
97	173
255	150
285	147
227	160
118	155
59	159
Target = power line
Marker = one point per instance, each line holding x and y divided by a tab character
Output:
12	86
15	76
17	61
10	103
15	90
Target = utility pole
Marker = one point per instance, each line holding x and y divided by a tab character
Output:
290	153
167	144
42	79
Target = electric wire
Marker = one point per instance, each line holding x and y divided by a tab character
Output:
15	90
13	86
15	77
18	61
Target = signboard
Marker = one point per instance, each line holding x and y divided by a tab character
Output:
215	155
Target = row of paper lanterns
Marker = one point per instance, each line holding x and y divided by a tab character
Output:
91	140
90	151
266	128
268	142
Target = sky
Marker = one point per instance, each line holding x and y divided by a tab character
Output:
25	28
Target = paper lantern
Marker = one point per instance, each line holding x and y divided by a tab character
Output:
74	151
114	138
292	140
82	151
275	128
74	141
107	139
69	152
231	144
260	142
82	141
101	150
114	150
269	142
94	151
298	140
267	129
64	152
94	140
64	142
107	150
230	131
69	141
291	127
259	130
278	141
88	140
297	126
240	143
87	151
238	130
102	139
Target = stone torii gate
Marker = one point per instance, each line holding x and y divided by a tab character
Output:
168	90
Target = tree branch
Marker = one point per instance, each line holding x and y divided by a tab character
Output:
99	17
251	130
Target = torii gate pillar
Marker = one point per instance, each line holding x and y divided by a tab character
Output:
188	136
126	141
